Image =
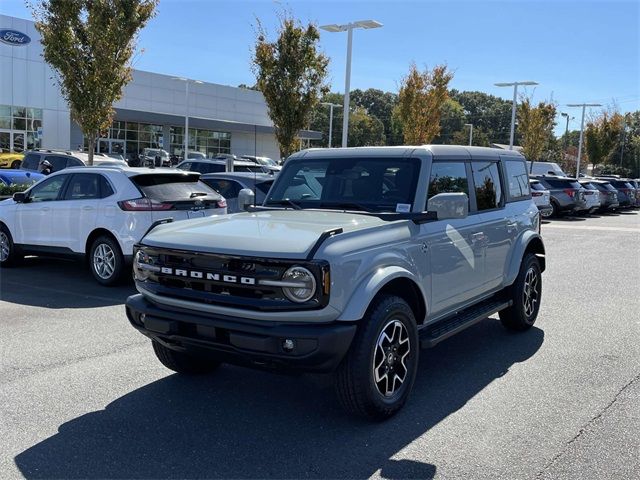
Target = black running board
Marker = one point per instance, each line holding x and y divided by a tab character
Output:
433	334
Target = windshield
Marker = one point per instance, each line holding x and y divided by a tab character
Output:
370	184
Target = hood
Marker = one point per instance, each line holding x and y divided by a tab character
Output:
274	233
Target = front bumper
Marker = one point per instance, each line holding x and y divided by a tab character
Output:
317	347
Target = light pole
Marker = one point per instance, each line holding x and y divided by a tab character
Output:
566	130
331	106
470	125
515	102
367	24
186	112
584	106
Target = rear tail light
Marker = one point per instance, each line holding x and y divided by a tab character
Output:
536	194
570	192
143	205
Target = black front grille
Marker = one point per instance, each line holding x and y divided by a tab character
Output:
225	279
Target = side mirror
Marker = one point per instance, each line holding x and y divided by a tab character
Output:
449	205
20	197
246	198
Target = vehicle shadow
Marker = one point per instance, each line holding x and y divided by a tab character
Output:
52	283
239	423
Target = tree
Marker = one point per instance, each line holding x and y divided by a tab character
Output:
380	104
488	113
290	72
535	125
365	129
452	120
89	44
420	101
602	136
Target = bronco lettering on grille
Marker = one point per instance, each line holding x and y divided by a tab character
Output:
215	277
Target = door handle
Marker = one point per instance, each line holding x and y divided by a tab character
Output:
45	209
87	207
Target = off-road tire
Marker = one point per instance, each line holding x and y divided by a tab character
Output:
183	362
355	384
522	314
107	248
13	255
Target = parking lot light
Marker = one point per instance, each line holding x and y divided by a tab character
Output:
366	24
515	102
331	106
470	125
584	106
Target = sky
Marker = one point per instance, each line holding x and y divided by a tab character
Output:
578	51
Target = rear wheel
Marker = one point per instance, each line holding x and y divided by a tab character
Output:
182	362
9	255
106	261
16	164
376	377
525	293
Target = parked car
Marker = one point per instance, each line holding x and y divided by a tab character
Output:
264	167
635	183
567	195
229	185
196	156
626	192
10	159
545	168
608	194
541	197
59	160
591	195
218	165
99	213
154	157
264	161
357	259
19	177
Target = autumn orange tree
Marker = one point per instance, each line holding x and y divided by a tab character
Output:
420	102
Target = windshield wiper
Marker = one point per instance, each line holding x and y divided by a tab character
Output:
285	202
347	205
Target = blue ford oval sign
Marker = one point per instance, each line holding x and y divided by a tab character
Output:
14	37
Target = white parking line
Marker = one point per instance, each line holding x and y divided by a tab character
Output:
588	227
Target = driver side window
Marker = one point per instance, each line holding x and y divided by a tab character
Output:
48	190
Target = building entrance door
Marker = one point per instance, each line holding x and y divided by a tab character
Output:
117	146
17	142
5	141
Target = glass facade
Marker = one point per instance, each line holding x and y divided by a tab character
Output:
129	138
20	128
209	142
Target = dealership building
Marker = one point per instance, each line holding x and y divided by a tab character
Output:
150	114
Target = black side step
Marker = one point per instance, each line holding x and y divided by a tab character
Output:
434	334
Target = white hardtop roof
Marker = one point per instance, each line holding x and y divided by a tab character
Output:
460	151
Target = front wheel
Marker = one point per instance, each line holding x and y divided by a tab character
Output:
182	362
16	164
525	293
9	255
106	261
375	378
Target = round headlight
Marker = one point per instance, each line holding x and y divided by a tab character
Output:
302	284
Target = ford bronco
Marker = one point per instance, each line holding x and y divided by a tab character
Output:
356	259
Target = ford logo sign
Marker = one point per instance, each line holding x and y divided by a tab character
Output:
14	37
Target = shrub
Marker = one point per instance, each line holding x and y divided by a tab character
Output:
8	190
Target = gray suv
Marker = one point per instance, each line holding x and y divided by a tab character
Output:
567	195
356	259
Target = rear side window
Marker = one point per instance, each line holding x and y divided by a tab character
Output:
588	186
171	188
31	161
517	180
57	163
226	188
83	186
206	167
486	180
105	188
246	168
185	166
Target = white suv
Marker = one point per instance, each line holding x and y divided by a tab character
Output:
99	212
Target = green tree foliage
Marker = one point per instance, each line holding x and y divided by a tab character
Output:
602	136
452	120
291	73
480	137
488	113
535	125
380	105
365	129
89	43
420	102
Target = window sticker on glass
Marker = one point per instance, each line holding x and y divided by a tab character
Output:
403	207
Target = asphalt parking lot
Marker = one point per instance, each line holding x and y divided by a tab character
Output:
82	395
